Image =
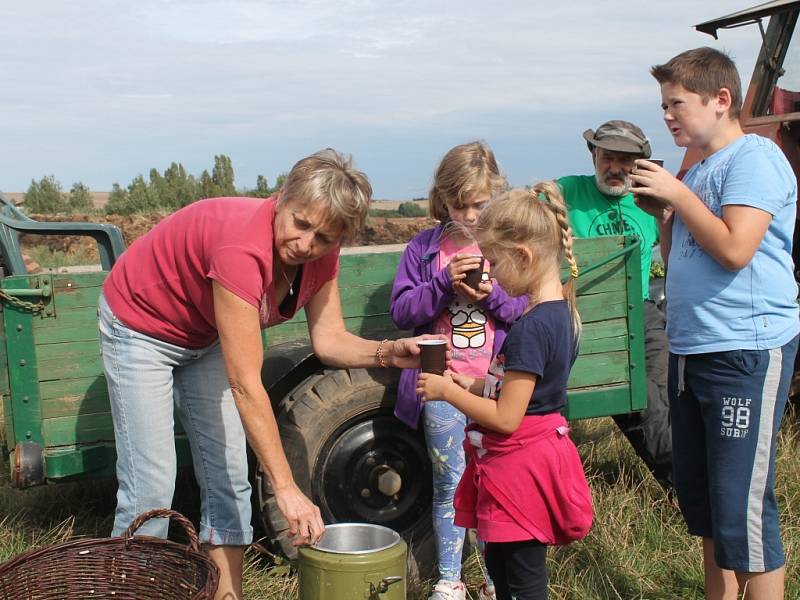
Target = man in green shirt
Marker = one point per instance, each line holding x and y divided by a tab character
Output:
601	204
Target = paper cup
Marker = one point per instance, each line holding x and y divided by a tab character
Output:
475	276
433	356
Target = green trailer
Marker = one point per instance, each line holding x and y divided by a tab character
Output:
337	426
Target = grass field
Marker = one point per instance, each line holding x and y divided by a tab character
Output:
48	258
638	548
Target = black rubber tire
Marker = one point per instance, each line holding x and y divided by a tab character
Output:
320	420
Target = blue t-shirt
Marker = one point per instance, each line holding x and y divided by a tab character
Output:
712	309
540	343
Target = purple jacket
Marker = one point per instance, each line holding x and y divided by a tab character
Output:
420	294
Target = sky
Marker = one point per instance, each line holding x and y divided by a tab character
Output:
99	91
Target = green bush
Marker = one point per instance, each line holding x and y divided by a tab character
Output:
411	209
657	270
45	196
80	197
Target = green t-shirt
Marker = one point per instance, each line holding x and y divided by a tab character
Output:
592	214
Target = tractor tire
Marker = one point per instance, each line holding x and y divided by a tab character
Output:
341	438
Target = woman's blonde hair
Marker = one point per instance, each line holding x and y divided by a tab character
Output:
328	180
536	219
464	171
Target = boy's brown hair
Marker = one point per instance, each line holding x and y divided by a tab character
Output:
704	71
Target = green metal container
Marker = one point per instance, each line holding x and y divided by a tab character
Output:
354	561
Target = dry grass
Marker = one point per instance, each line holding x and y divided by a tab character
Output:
638	548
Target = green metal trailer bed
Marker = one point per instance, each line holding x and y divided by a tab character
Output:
337	425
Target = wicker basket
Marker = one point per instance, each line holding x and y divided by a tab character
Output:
127	567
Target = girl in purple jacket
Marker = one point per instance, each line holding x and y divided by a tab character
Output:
430	296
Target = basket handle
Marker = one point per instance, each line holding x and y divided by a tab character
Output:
158	513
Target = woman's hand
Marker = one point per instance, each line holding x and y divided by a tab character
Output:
434	387
404	352
305	520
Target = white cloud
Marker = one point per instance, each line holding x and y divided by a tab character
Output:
351	22
214	76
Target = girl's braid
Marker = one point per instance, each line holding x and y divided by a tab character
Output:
555	200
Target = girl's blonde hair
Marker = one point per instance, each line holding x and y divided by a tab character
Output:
536	219
327	180
465	170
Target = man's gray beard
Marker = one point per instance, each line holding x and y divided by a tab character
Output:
612	190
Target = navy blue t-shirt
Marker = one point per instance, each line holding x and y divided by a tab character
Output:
541	343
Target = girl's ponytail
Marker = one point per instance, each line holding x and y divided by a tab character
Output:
552	196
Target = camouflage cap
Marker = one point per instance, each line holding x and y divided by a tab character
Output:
619	136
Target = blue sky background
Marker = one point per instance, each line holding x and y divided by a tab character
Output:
100	91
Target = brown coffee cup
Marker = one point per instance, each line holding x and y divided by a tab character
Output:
657	161
433	356
473	277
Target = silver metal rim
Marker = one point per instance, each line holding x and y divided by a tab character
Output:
391	532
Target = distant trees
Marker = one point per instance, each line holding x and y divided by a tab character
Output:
262	188
80	197
411	209
116	199
167	191
45	196
222	177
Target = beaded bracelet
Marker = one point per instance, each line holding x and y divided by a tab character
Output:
379	356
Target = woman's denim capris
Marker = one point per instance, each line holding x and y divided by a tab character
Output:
150	381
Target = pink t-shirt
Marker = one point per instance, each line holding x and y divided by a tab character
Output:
162	284
468	326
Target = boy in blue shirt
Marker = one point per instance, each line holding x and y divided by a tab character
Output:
732	319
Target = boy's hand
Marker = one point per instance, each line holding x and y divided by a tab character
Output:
656	189
434	387
653	206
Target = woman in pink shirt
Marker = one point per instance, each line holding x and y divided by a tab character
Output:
180	329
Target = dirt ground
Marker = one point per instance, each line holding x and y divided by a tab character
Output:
379	230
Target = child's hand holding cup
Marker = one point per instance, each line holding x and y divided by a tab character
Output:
651	204
462	264
433	361
474	277
470	277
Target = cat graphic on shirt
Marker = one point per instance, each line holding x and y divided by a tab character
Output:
468	324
